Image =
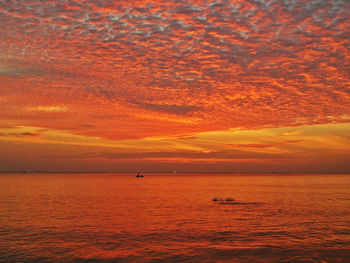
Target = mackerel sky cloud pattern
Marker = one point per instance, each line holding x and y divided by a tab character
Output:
132	69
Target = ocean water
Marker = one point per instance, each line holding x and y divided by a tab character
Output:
172	218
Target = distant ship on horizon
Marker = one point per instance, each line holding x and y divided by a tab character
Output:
139	175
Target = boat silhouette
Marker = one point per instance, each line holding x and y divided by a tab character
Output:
139	175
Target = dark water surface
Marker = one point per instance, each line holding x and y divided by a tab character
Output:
172	218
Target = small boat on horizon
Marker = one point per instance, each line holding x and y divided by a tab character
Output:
139	175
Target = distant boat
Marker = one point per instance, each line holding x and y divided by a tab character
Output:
139	175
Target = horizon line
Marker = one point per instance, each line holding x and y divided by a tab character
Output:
166	172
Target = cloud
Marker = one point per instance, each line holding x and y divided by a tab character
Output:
49	108
293	141
251	145
309	148
180	155
20	135
166	108
186	66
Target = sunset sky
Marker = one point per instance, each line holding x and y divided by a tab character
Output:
186	85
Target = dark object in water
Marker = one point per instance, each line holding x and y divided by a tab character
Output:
227	199
224	201
139	175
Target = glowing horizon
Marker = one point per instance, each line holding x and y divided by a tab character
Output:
189	86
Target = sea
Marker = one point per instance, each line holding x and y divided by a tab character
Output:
116	217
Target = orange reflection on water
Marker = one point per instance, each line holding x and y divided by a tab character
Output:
163	216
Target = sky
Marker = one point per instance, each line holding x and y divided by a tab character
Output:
194	86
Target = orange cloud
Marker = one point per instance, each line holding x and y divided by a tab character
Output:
131	70
263	150
251	145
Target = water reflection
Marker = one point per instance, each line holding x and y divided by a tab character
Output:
173	217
